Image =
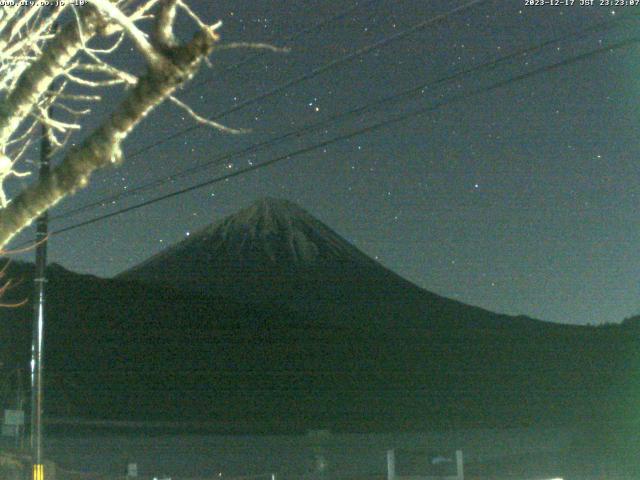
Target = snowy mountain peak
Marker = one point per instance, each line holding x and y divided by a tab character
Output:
264	217
270	235
275	253
270	206
283	233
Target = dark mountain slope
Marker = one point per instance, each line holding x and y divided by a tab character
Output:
368	351
275	252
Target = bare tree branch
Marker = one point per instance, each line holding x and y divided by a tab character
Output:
37	78
43	67
252	45
204	121
103	146
138	37
163	32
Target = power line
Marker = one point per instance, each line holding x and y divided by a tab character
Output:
318	71
368	129
397	97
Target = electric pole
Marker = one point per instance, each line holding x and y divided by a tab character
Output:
37	357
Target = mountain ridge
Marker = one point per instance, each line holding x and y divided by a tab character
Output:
275	251
275	223
345	346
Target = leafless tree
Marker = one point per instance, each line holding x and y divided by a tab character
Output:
48	56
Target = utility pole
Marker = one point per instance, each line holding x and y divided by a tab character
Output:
37	357
20	408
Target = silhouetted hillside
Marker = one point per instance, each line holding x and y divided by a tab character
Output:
270	321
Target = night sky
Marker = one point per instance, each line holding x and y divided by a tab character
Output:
521	199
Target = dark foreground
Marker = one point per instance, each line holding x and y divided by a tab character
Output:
524	453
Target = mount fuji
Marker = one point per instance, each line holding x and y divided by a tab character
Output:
274	252
269	321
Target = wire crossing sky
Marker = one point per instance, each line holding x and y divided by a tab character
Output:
514	188
396	97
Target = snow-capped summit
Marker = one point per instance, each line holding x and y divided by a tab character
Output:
278	232
269	235
272	248
275	252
